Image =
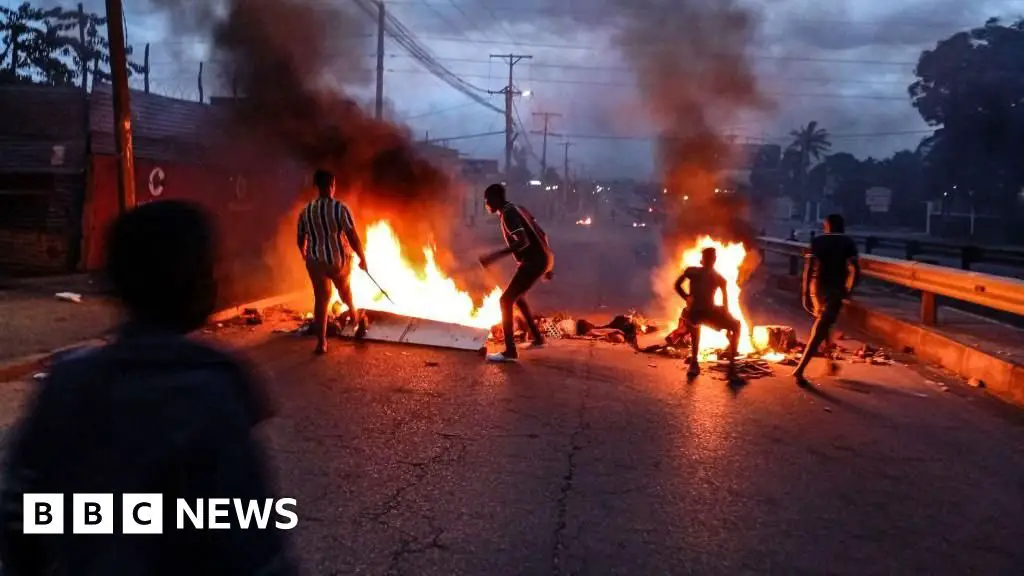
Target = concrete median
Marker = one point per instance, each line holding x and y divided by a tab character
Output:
975	354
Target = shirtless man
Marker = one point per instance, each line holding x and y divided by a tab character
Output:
701	309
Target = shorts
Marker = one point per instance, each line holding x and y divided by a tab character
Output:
827	309
323	275
717	318
828	304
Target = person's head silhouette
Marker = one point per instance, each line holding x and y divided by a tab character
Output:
160	262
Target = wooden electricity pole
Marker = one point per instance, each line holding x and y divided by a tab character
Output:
122	107
509	91
547	116
380	60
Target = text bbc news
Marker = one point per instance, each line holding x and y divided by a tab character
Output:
144	514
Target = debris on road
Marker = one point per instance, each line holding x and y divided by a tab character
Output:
871	355
976	383
746	368
69	297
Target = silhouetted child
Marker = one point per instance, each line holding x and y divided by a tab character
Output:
153	412
703	283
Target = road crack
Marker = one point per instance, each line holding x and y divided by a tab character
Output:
569	478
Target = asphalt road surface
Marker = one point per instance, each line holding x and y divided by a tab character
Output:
591	459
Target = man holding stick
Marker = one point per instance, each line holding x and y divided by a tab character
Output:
528	244
324	227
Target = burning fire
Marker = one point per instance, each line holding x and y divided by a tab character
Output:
584	221
428	293
730	259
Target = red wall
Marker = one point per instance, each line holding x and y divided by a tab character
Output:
247	205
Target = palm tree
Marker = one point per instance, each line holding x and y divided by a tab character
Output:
812	143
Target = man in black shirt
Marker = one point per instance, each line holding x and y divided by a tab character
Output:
528	244
830	274
704	282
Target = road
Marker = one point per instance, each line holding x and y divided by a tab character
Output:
588	458
591	459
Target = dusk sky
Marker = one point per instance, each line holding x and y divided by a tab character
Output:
845	64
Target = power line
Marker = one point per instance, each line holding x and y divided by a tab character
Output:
405	38
628	85
627	69
571	10
466	136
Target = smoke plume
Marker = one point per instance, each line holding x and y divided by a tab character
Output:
692	70
291	62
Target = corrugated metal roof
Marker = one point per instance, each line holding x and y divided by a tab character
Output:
38	123
42	111
162	128
36	155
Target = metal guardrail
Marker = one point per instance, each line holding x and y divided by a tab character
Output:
968	254
995	292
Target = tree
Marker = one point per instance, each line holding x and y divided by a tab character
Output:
56	47
29	53
811	143
970	87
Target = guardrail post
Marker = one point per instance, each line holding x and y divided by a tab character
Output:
968	256
929	309
869	244
913	249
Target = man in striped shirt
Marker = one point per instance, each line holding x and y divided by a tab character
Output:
327	239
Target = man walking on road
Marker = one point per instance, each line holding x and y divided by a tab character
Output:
528	244
704	282
153	412
327	239
831	272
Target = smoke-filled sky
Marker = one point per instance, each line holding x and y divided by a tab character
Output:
843	63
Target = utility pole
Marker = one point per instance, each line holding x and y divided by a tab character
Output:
380	60
509	91
122	106
565	179
565	169
547	116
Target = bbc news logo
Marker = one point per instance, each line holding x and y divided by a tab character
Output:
144	514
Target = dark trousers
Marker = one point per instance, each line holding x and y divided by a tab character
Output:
323	276
527	274
828	305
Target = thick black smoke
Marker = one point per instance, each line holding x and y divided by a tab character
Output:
291	62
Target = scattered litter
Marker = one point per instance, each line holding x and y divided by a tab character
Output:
746	368
69	297
652	365
432	364
40	376
871	355
828	409
975	383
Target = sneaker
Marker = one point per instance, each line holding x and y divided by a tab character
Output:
537	345
501	357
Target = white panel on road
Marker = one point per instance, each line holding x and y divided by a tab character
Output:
405	330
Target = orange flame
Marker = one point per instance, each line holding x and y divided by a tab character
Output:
729	262
426	293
